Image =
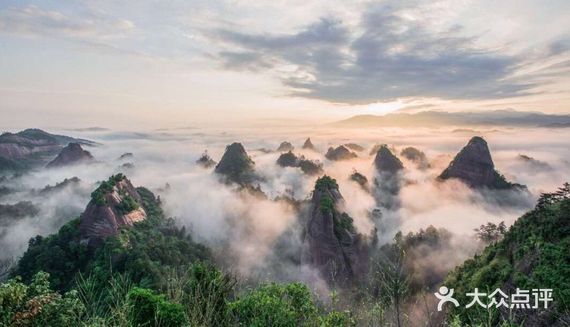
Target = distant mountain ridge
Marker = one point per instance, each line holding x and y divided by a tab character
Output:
32	147
440	118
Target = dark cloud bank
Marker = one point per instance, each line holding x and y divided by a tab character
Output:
385	56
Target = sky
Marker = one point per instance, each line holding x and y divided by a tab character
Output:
143	64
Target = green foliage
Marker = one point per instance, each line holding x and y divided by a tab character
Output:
345	223
337	318
534	253
150	309
327	204
205	295
37	305
61	255
490	232
98	196
326	183
150	203
145	252
127	205
275	305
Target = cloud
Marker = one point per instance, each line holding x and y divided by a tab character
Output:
32	20
388	54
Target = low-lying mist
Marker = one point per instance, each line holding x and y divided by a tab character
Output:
258	237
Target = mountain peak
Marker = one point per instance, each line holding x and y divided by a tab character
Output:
308	144
474	166
72	154
285	147
386	161
236	166
332	244
340	153
115	203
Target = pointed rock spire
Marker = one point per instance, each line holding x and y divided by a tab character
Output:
386	161
474	166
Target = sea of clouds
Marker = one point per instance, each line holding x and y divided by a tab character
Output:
259	237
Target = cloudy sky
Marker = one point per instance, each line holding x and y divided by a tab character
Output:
141	63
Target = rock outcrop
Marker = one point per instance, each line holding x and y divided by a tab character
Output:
72	154
288	159
205	160
416	156
236	166
387	183
360	179
285	146
386	161
308	145
474	166
331	243
114	204
309	167
340	153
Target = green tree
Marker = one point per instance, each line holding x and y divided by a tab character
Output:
37	304
275	305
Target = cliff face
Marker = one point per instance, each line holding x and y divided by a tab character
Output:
474	166
114	204
385	161
236	166
331	243
72	154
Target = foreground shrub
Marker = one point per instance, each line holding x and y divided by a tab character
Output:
149	309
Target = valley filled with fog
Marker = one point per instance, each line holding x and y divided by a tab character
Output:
258	211
248	226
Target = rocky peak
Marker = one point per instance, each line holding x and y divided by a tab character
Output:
340	153
308	145
309	167
236	166
205	160
114	204
72	154
331	242
285	146
386	161
359	179
474	166
416	156
288	159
